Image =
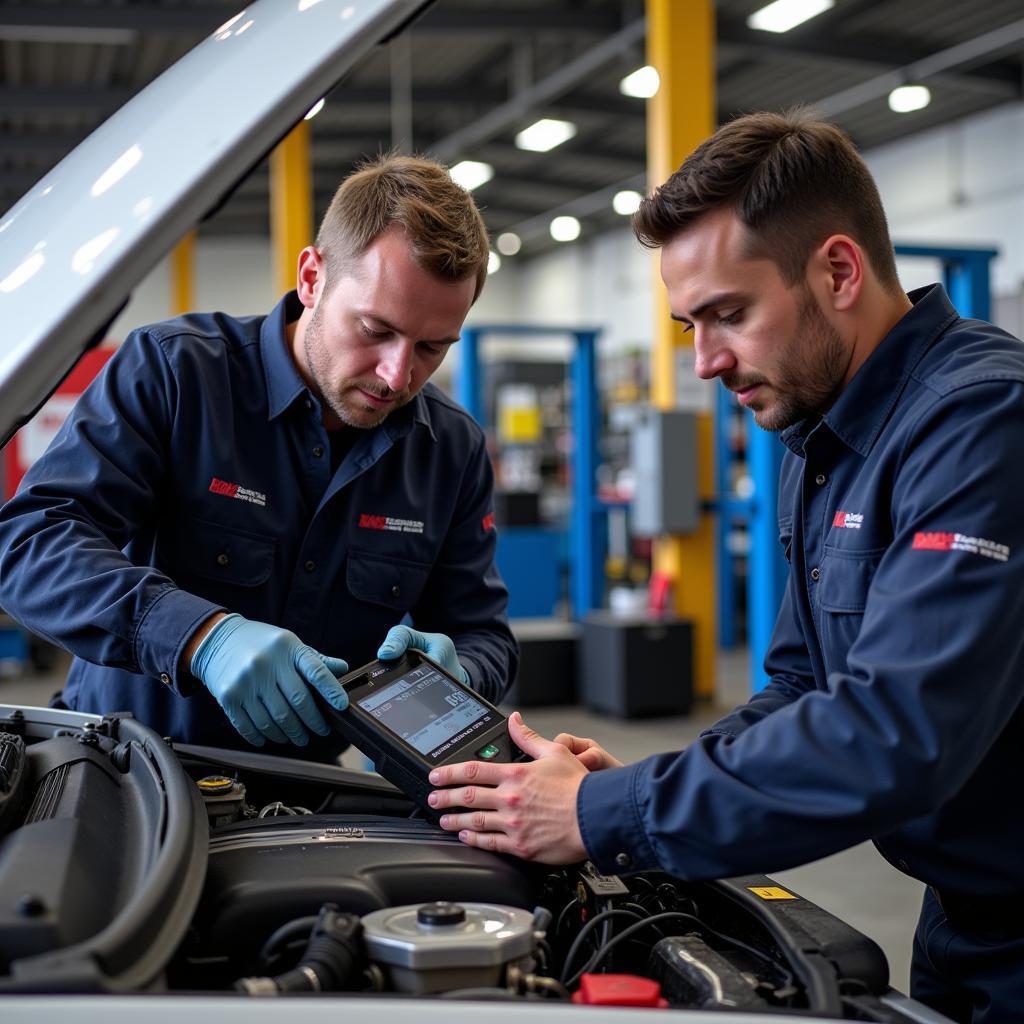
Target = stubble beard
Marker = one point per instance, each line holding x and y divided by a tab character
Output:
810	375
342	397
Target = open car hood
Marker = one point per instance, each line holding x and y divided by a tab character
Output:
76	244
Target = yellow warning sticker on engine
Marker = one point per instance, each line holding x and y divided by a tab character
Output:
771	892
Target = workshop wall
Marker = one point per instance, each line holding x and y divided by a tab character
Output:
602	281
962	184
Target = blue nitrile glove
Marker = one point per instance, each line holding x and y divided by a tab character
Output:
433	645
261	674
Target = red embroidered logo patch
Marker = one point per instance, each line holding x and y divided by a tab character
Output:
941	540
933	541
229	490
847	521
371	522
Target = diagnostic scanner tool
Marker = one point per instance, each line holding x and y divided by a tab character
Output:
409	715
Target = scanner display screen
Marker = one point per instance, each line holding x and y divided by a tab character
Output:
428	711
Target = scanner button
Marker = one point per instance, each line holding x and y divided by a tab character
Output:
488	752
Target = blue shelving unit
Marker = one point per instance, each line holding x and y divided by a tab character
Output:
586	533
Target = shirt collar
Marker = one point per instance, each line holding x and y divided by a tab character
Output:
860	412
285	386
401	421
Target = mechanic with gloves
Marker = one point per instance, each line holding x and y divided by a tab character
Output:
228	486
894	707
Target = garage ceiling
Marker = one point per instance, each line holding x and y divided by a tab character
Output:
471	73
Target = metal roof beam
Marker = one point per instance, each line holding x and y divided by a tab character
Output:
43	145
830	48
497	152
1008	37
453	17
539	94
39	99
346	94
582	206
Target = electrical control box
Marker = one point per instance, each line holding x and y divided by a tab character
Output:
663	453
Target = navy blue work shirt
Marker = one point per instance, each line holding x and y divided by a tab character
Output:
195	475
897	664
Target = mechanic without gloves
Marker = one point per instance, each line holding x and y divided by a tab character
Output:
227	486
894	708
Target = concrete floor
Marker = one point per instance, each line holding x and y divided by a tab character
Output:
857	885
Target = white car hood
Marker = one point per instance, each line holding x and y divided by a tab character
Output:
76	244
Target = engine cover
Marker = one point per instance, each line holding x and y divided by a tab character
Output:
262	874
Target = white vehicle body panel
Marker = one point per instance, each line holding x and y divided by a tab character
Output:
75	245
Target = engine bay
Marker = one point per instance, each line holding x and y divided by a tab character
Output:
129	865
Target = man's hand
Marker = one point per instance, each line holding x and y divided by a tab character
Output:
588	752
528	809
260	675
433	645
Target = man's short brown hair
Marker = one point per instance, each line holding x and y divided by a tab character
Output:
440	219
792	180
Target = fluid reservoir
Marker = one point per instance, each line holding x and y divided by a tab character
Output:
438	947
224	799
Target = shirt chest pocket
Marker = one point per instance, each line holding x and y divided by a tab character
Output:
224	555
841	598
389	582
845	579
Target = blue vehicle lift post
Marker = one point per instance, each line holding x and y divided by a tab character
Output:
587	531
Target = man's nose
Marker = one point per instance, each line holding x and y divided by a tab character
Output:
711	359
395	366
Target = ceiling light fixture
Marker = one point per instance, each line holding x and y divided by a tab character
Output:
493	262
905	98
471	174
565	229
783	15
642	83
509	243
545	134
626	202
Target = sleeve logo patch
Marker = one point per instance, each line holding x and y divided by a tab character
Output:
771	892
488	521
939	540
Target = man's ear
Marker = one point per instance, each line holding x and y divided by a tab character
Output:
311	276
839	266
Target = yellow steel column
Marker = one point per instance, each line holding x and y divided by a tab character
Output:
681	46
182	276
291	204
